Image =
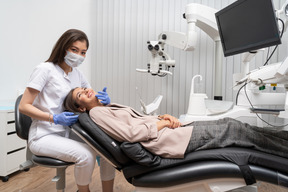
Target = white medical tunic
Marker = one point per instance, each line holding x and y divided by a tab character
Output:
54	85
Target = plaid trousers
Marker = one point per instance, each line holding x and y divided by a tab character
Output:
229	132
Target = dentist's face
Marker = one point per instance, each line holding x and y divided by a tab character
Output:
85	98
79	48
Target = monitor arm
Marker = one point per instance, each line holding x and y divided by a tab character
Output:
196	15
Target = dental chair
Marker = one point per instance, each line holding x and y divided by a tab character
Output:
22	123
213	170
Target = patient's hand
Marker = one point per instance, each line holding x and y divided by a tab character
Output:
162	123
173	122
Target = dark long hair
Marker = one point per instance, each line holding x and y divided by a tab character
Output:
69	104
64	43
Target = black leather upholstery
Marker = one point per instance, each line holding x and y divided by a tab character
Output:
50	162
22	122
140	155
103	139
79	129
201	170
208	164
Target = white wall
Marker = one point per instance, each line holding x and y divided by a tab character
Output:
124	27
28	31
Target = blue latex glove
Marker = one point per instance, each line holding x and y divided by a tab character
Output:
103	96
65	118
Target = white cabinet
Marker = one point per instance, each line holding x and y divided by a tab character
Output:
12	148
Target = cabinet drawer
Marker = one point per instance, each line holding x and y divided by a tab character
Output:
14	142
14	160
10	127
10	116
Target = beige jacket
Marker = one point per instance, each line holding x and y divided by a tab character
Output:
125	124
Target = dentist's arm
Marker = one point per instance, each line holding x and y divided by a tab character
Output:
28	109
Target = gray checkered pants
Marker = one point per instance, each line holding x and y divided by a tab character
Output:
229	132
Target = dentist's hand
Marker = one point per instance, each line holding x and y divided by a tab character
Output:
65	118
103	96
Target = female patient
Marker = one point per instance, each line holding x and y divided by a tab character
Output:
166	136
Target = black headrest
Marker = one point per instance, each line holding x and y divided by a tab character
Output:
22	122
103	139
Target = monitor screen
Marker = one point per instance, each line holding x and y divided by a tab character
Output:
247	25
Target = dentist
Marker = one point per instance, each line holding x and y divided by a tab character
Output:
42	100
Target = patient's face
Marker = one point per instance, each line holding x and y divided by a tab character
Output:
85	98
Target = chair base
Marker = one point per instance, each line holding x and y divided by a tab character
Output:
60	169
209	185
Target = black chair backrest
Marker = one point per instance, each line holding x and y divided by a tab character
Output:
104	141
22	122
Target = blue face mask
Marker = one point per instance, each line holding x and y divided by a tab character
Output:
73	60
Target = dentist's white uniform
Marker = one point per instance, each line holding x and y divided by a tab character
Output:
55	140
